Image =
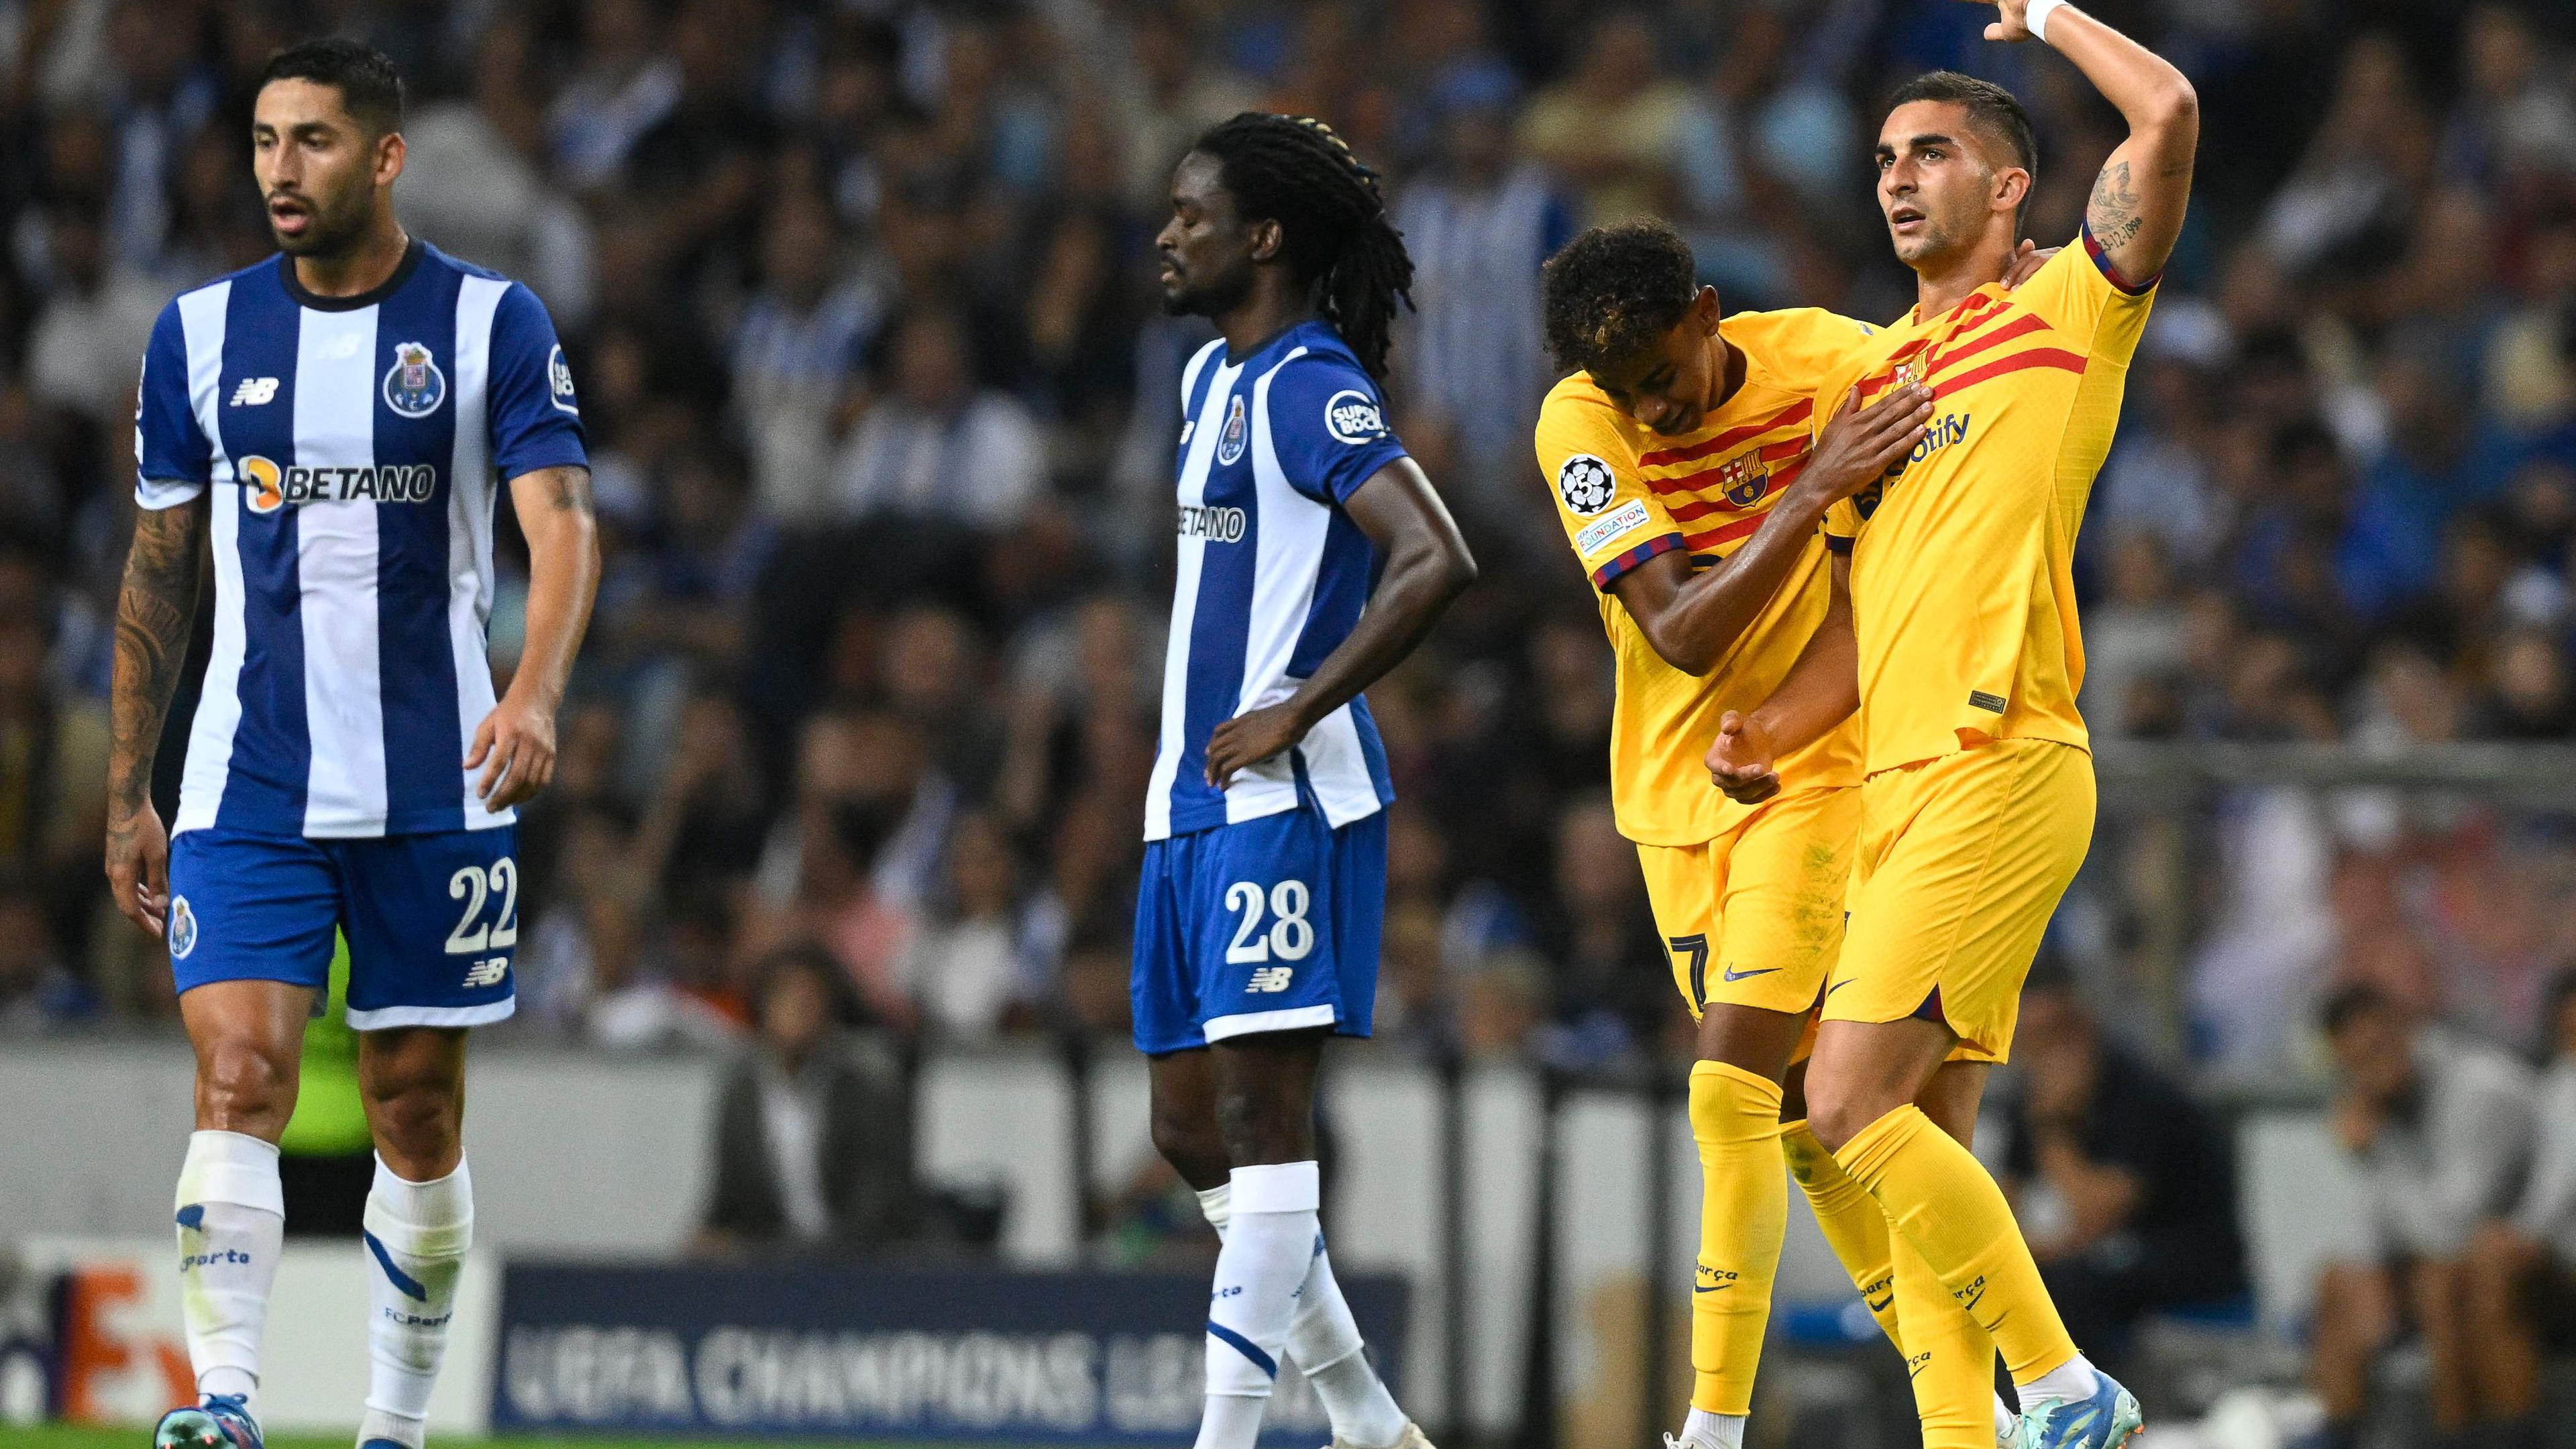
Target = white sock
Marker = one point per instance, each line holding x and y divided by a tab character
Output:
2072	1380
232	1222
1269	1245
1324	1342
2006	1423
1713	1431
417	1233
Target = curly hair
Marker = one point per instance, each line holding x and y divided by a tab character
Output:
1614	291
1295	171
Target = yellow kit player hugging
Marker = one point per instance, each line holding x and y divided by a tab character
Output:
1686	470
1961	652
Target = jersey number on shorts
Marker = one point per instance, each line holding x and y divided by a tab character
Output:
1695	947
1290	937
473	885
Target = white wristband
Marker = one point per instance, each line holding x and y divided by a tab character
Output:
2036	18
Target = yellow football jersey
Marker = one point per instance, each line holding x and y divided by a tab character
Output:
1626	494
1963	593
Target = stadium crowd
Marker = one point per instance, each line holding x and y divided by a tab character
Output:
859	297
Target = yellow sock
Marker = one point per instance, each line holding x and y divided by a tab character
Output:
1950	1358
1854	1225
1940	1199
1744	1207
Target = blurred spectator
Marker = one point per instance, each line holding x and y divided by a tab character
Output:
37	993
969	964
473	182
937	447
1613	128
813	1128
1478	223
2124	1186
2522	1267
2440	1128
797	352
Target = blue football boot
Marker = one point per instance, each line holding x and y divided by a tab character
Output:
223	1421
2107	1420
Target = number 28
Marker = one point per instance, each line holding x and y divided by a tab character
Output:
1290	937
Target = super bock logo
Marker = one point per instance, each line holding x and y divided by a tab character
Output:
414	387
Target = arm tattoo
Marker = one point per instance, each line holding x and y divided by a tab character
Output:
155	610
568	489
2113	213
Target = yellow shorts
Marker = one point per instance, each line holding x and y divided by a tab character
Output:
1755	917
1962	860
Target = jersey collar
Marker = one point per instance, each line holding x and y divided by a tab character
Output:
402	273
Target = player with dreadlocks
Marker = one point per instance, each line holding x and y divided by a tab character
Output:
1265	865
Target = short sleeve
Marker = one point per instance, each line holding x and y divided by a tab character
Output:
2081	294
535	419
1842	523
1610	515
1328	427
173	459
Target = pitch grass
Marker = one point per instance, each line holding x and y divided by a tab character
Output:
55	1437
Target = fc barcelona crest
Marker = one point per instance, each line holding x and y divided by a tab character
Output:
414	387
1744	480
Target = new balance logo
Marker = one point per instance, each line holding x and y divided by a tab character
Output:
487	972
1270	978
254	392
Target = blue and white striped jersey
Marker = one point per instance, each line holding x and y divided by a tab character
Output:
1273	575
351	443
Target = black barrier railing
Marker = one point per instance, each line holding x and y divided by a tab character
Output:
1452	1077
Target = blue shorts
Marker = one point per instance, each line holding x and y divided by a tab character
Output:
432	919
1268	925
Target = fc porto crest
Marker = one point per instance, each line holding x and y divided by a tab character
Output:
1229	444
183	928
1744	480
414	387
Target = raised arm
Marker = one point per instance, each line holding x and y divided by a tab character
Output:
1693	621
156	607
2136	212
1427	565
515	745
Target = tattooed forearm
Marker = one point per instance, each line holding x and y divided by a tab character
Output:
155	609
2113	213
567	489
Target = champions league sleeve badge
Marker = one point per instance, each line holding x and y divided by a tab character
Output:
1585	483
414	387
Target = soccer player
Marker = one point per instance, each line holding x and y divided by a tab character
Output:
1961	653
1265	868
1688	479
331	421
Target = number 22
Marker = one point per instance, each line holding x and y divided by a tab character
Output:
471	881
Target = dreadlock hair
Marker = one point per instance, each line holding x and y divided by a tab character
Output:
1614	291
1295	171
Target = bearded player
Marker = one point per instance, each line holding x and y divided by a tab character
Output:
1962	655
1686	471
332	421
1313	556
